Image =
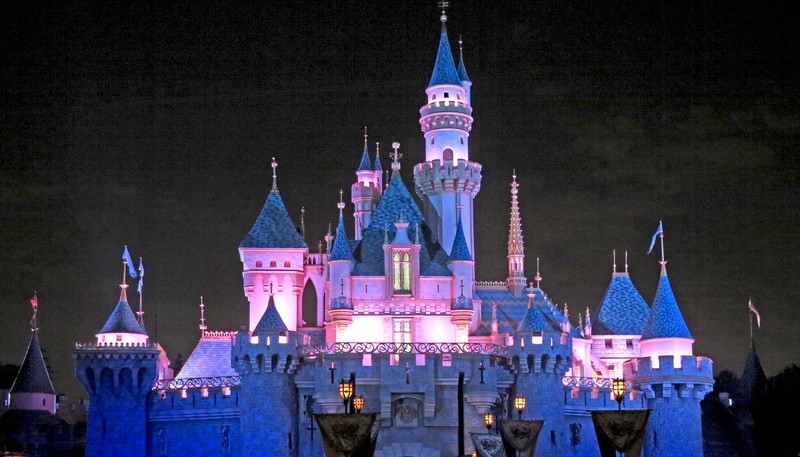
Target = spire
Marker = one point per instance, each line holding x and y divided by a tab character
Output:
665	320
341	248
396	156
273	228
271	319
515	244
202	317
533	322
462	69
122	320
623	311
378	158
365	165
274	175
444	71
538	277
303	222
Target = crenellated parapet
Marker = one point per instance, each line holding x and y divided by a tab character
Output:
116	370
453	114
262	353
665	376
432	178
541	354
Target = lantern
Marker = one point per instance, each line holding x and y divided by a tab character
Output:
358	402
618	390
519	403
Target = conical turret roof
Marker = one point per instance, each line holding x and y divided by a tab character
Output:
623	311
753	381
462	70
341	248
122	320
273	227
665	320
460	249
271	320
534	321
444	71
366	163
33	376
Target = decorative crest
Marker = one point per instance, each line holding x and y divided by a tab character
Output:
303	221
340	205
274	175
396	156
443	5
538	277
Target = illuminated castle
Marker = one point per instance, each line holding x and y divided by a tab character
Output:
399	311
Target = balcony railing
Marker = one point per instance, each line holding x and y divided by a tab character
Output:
402	348
592	383
194	383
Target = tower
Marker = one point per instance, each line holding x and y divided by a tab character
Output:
272	256
117	371
266	361
366	191
516	247
447	177
671	378
543	352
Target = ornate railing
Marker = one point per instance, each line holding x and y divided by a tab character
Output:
194	383
591	383
491	285
402	348
219	334
115	345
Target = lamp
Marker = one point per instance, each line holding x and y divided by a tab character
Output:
618	390
488	419
519	403
345	391
358	403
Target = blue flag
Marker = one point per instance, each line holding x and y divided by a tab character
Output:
126	256
658	231
141	275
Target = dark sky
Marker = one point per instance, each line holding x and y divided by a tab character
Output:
153	125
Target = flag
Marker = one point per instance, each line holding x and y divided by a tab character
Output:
658	231
752	308
126	256
141	275
34	303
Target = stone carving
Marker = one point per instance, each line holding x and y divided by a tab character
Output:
406	413
575	432
225	439
161	434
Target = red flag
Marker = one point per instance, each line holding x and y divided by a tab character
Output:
752	308
34	302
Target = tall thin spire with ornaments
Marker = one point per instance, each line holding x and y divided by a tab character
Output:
516	247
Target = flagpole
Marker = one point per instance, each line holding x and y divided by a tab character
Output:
750	313
141	287
662	245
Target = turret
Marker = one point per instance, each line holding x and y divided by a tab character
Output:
118	372
447	176
462	71
272	256
461	263
366	191
665	333
32	389
516	247
266	361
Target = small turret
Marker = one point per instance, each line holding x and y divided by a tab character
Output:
32	389
366	191
462	71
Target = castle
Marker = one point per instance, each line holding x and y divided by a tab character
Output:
399	312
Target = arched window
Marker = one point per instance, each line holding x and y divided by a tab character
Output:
272	264
433	140
287	264
447	155
258	264
401	263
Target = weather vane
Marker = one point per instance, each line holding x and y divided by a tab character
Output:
396	156
274	175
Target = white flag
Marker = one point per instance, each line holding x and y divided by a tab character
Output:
752	308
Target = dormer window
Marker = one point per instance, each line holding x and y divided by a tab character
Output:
401	266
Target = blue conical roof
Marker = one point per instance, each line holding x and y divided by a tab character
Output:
444	71
33	376
623	311
462	71
378	163
271	320
273	227
666	320
341	248
460	249
366	164
533	322
122	320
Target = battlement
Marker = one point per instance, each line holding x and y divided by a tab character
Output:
434	177
264	353
547	355
660	377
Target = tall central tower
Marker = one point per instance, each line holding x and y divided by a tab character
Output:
447	178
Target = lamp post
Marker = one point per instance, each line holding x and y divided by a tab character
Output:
519	403
358	403
345	391
618	390
488	419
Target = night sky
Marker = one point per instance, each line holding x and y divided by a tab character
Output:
153	125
